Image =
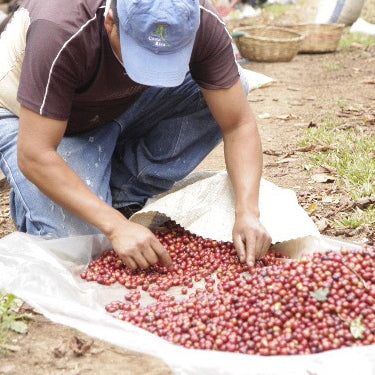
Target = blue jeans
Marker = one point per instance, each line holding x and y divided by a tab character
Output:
159	140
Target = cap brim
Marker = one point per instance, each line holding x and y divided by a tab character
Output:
150	69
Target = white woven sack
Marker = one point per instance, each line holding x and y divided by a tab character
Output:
339	11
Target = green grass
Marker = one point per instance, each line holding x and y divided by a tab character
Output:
351	158
341	103
356	219
277	10
10	319
332	67
348	39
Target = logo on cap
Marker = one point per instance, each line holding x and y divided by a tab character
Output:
158	36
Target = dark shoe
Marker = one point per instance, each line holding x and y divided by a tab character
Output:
130	210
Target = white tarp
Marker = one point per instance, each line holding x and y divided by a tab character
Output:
363	27
45	274
254	79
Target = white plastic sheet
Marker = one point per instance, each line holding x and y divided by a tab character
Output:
363	27
254	79
46	275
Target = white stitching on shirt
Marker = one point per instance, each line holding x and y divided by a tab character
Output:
107	6
223	23
218	18
57	56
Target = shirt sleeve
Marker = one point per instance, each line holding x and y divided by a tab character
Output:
213	64
51	70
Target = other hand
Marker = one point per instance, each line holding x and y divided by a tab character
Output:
138	247
250	238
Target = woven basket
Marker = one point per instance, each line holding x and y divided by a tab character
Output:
319	38
268	44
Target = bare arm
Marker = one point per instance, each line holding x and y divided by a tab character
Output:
243	156
39	161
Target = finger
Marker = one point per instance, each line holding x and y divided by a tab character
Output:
250	250
266	244
141	261
129	262
240	247
259	244
162	253
150	256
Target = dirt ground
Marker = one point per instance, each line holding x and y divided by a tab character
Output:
307	89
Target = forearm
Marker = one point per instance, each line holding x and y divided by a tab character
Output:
243	156
38	140
49	172
135	244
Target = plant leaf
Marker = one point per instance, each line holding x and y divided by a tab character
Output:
357	328
9	299
320	294
19	327
312	208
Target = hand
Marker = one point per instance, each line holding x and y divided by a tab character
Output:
250	238
137	247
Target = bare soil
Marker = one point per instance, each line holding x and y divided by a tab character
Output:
308	88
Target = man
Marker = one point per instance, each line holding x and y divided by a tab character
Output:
116	101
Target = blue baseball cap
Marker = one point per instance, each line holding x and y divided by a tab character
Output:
157	38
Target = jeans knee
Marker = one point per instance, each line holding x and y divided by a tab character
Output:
49	220
68	227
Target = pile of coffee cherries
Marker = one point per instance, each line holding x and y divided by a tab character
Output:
278	307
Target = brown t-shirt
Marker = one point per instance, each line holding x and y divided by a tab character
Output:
70	71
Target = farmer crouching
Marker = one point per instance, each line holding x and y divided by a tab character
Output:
104	105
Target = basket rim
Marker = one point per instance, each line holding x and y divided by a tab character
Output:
327	25
297	36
